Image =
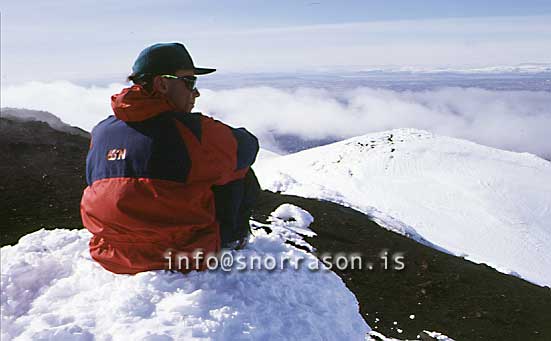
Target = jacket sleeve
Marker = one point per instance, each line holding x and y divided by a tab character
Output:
233	150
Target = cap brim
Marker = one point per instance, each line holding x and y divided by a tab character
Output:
202	70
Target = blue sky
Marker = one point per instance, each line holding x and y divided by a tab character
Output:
77	40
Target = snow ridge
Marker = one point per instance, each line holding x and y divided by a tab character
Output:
482	203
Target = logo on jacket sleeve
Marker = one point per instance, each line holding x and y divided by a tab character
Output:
116	154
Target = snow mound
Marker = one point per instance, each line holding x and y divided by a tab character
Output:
52	289
438	336
292	224
293	218
486	204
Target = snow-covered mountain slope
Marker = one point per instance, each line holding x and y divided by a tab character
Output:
485	204
266	154
53	290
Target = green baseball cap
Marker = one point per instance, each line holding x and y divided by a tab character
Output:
165	58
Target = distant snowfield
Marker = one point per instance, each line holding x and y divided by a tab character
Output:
52	290
488	205
526	68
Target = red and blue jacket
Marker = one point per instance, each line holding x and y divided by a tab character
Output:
150	173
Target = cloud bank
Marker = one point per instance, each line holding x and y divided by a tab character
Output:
73	104
511	120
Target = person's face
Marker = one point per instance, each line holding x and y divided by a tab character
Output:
177	91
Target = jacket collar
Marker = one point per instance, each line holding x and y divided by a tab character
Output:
136	104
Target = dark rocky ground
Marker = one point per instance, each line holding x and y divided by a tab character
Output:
448	294
42	175
42	178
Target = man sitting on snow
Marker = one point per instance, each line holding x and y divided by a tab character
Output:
161	178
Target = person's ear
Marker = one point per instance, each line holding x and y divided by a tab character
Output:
160	84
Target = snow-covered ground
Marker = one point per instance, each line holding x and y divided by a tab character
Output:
526	68
264	154
482	203
53	290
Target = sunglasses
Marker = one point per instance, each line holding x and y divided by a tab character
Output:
190	81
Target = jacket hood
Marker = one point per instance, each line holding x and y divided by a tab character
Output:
136	104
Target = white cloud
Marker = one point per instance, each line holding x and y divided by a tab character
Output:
512	120
76	105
